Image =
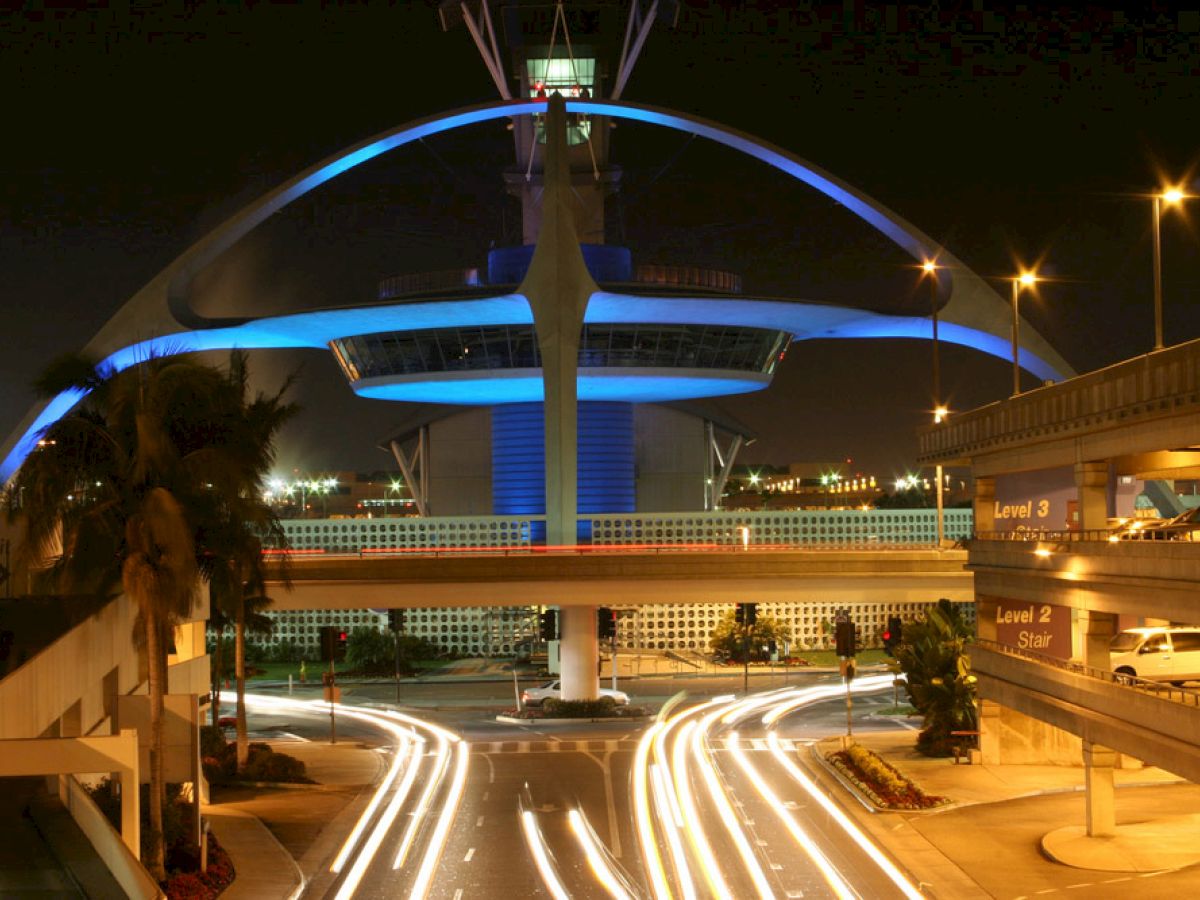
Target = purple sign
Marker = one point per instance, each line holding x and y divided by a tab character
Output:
1040	627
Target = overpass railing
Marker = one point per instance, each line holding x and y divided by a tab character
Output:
816	529
1164	691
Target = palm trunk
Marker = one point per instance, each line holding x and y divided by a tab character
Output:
243	741
218	674
154	647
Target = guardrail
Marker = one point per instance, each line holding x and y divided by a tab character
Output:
1186	696
641	532
1098	535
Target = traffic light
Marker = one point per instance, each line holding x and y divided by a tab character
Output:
844	634
328	637
343	641
745	613
893	634
548	625
396	619
606	623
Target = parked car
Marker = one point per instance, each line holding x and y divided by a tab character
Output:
552	690
1160	653
1183	527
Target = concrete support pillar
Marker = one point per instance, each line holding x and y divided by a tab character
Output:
985	504
579	650
1091	480
988	711
1098	765
1094	632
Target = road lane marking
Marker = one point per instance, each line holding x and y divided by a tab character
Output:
470	853
479	822
458	894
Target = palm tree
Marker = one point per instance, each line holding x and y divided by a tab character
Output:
236	520
938	677
107	494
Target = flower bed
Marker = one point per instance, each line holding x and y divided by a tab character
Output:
194	885
882	784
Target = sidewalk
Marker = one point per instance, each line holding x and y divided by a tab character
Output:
1003	834
278	862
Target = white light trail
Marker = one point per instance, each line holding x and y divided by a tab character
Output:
716	791
354	877
418	814
352	841
897	877
595	857
836	881
537	846
692	823
449	809
642	818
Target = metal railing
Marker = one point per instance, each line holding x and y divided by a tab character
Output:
632	532
1163	691
1097	535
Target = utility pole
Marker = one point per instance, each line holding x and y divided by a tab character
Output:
331	695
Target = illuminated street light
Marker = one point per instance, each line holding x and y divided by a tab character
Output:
1028	280
1171	197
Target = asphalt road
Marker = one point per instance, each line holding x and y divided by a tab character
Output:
549	771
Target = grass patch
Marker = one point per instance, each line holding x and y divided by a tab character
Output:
829	658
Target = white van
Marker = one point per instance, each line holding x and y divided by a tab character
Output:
1161	653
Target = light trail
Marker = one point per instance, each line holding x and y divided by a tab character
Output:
354	877
836	881
853	831
642	817
433	852
692	823
604	873
541	858
409	758
418	814
702	754
401	754
826	692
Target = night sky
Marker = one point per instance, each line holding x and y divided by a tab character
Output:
1009	136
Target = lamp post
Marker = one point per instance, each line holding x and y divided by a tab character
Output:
1025	279
1171	197
939	411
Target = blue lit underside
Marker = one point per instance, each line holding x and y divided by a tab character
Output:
316	329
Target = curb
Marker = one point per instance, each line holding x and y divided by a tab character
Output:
513	720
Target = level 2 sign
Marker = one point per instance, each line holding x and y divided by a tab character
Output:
1040	627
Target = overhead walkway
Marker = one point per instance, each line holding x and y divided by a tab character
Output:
1155	723
620	576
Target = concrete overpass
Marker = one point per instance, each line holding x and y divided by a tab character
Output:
619	577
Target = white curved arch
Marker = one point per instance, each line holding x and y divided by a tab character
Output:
160	309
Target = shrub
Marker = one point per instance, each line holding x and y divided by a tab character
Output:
603	707
212	740
262	764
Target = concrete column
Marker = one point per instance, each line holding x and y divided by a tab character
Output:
1098	786
1094	632
1091	479
579	653
985	503
988	711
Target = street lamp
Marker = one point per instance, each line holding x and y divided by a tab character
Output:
1025	279
1170	197
930	268
939	412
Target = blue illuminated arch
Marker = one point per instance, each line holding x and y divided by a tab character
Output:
973	313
